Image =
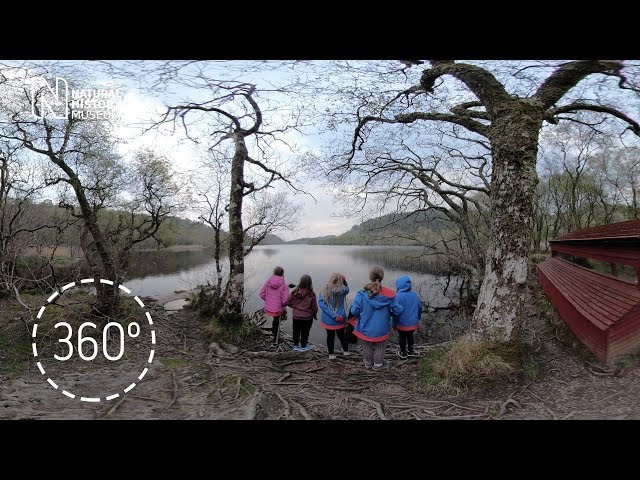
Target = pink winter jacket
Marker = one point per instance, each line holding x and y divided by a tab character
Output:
275	294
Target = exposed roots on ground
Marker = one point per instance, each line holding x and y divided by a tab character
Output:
195	379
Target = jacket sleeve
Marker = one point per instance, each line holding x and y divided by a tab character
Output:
356	306
395	307
284	295
314	306
325	309
394	319
263	291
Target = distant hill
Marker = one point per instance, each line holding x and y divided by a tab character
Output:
174	231
311	240
390	229
272	240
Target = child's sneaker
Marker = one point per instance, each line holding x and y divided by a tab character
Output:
368	365
401	353
412	353
380	366
297	348
307	348
332	356
346	353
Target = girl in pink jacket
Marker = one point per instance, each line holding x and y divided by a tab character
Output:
275	294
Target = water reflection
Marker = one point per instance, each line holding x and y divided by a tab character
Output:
183	270
144	264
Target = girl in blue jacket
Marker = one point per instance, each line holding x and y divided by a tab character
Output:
374	305
407	322
331	302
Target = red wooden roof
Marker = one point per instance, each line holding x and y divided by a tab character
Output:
604	251
618	231
603	312
600	299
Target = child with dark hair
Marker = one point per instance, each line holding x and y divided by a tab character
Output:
305	308
275	294
334	316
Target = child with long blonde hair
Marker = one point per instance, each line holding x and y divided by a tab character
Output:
332	303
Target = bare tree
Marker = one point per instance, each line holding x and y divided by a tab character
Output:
93	178
211	192
264	213
415	176
230	112
581	175
620	168
22	225
478	101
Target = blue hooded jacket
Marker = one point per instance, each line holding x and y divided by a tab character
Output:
374	314
411	306
329	316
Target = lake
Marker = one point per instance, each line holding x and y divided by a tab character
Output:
161	273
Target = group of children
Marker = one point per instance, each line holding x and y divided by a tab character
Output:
375	311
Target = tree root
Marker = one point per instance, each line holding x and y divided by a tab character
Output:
175	390
303	411
378	406
287	407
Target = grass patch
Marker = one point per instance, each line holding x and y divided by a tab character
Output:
628	361
427	375
237	333
73	307
15	336
476	365
15	351
36	262
174	362
206	303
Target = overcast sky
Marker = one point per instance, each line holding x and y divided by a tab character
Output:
319	217
140	105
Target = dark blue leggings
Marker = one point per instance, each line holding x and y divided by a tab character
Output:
406	340
331	337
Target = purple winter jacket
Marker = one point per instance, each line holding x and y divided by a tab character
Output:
304	304
275	294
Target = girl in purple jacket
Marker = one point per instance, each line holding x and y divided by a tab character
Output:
275	294
305	308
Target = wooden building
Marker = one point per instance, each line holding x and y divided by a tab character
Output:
601	309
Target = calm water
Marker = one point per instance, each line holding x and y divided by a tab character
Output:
163	273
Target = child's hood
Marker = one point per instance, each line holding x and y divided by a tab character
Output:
275	282
403	284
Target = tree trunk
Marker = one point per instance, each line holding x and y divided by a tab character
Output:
503	295
234	291
216	254
107	294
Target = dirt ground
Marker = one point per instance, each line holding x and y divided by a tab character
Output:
191	379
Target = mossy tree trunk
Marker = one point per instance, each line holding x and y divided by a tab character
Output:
503	298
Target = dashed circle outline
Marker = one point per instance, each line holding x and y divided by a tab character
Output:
34	333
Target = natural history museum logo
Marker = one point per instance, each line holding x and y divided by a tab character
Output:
55	99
